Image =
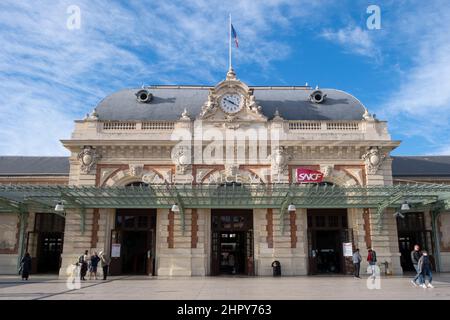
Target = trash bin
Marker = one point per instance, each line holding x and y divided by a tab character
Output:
276	266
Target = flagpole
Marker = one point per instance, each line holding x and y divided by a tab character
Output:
229	44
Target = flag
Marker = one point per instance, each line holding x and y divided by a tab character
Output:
234	34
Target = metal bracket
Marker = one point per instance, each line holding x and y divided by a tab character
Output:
71	200
182	215
382	207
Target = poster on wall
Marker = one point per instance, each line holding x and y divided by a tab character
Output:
308	176
115	250
347	249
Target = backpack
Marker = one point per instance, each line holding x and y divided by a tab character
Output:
81	259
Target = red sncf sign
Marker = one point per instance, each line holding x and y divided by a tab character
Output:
308	176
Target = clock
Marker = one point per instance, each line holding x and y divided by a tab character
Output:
231	103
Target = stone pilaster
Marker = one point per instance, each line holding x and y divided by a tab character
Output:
76	242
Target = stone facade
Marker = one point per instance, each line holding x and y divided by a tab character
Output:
117	153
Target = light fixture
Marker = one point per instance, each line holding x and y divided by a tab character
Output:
175	208
59	207
405	206
291	207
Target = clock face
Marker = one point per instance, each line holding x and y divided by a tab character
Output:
231	103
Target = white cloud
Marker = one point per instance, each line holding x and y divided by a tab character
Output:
353	39
420	105
50	75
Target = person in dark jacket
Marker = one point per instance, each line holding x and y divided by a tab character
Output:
25	266
425	269
83	261
372	259
415	256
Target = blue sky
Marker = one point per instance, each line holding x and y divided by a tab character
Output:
51	75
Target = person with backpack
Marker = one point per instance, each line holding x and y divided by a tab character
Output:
372	259
83	261
425	270
415	257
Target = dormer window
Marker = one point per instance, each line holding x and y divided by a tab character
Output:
317	96
144	96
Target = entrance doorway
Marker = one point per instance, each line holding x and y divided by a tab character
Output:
45	243
327	232
232	242
411	231
133	242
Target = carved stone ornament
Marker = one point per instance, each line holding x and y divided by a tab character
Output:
373	159
280	158
231	169
136	169
182	159
277	116
327	170
185	116
209	107
88	157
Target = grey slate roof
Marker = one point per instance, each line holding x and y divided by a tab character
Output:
421	166
169	102
34	166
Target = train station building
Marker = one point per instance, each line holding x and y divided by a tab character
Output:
224	180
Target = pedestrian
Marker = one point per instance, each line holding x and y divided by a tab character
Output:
425	269
356	262
93	266
415	256
83	261
25	266
104	261
372	259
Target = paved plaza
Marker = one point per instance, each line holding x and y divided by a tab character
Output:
222	288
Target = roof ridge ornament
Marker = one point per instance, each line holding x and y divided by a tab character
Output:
231	75
185	115
277	116
367	116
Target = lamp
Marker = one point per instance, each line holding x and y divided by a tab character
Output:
59	207
291	207
175	208
405	206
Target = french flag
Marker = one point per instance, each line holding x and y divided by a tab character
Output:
234	34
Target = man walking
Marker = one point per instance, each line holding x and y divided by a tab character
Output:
356	262
415	256
425	270
372	259
104	262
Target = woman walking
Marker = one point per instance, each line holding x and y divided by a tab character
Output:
25	266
